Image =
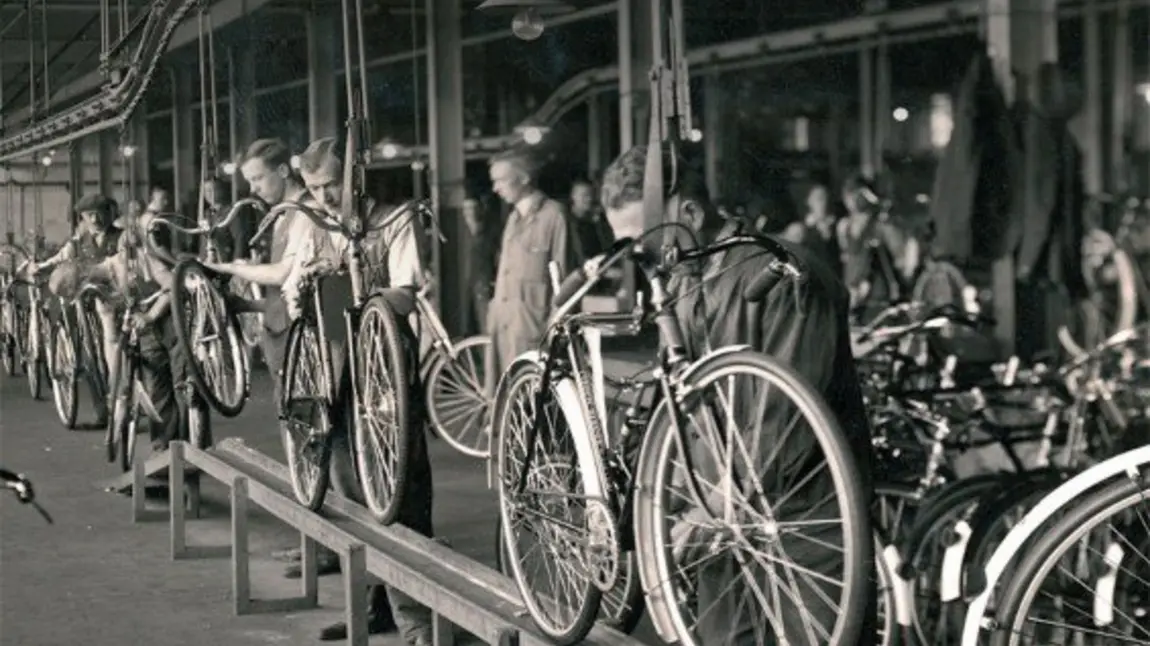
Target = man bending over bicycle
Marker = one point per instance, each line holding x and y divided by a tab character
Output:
804	326
394	271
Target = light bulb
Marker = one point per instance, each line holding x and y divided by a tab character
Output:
389	151
46	160
532	135
527	24
127	150
901	114
295	162
695	135
229	168
418	165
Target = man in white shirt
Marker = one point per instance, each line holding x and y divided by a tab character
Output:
394	269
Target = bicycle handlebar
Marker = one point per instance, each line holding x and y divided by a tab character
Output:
934	319
24	491
578	283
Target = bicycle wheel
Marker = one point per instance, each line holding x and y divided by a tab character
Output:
934	621
886	630
95	366
8	337
545	527
457	405
39	351
305	415
621	608
812	508
65	381
381	410
1098	559
122	425
210	337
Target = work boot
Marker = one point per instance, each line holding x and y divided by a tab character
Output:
327	562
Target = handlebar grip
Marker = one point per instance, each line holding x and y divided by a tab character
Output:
573	283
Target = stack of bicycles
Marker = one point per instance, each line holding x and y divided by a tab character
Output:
727	506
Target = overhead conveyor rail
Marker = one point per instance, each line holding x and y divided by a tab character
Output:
459	591
114	105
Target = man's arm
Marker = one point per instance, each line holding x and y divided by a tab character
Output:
163	277
560	241
67	252
404	266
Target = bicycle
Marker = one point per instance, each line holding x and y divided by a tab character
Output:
557	394
453	372
1059	512
33	332
208	331
131	400
78	352
381	369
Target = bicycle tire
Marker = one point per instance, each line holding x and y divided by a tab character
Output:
127	430
1045	553
525	374
620	609
455	434
36	366
96	368
656	561
65	385
938	514
303	361
394	438
228	404
991	515
117	414
8	338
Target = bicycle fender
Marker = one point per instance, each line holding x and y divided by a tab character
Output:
1065	494
706	359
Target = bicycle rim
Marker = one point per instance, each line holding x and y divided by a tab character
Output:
457	403
305	419
64	379
546	520
210	337
381	411
829	514
1111	567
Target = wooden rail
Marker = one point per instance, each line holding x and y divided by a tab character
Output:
459	591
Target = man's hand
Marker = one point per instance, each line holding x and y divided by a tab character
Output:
140	321
317	267
591	267
218	267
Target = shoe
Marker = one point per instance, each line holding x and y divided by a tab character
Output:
326	563
290	555
376	625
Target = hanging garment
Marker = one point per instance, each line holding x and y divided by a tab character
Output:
971	202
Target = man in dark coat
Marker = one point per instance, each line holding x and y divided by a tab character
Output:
802	323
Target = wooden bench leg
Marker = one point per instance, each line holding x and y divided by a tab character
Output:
176	500
355	594
241	575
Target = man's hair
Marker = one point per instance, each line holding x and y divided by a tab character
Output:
318	154
520	158
624	179
274	153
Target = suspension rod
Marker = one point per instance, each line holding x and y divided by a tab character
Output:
32	60
348	82
105	28
363	93
212	83
44	38
205	133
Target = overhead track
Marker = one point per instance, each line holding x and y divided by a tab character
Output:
837	37
114	105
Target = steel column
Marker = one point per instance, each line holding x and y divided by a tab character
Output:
713	132
322	93
106	162
882	103
866	111
75	176
447	158
1093	142
1122	96
184	168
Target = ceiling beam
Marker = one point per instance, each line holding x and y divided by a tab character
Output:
223	12
73	7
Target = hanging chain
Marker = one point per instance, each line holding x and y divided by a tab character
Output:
358	146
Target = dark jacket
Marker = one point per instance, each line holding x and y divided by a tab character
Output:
971	205
1049	200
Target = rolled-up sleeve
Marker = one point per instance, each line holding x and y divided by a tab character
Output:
301	246
403	265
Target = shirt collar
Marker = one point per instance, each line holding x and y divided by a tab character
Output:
526	207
